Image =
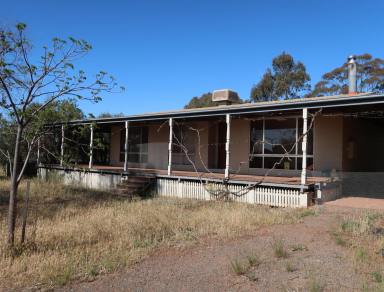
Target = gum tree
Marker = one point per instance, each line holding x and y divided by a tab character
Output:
29	85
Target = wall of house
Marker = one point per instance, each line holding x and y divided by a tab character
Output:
362	145
158	136
115	145
328	143
239	147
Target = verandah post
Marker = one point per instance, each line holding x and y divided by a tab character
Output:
170	146
38	152
91	149
227	144
126	146
62	146
304	147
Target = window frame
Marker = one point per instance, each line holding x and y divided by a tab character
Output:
142	155
296	155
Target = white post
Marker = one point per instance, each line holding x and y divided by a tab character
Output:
91	149
38	152
170	146
227	142
126	146
62	146
304	147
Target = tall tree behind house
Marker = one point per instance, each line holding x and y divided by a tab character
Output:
285	80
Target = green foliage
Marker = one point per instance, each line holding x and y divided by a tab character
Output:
377	277
205	100
370	77
287	79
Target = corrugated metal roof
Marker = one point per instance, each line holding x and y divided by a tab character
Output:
246	108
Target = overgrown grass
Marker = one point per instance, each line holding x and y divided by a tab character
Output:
76	233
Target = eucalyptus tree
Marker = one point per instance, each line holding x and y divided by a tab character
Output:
370	77
285	80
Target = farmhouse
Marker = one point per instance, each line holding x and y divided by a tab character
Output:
281	153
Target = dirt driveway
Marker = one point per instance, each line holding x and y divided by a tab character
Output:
314	262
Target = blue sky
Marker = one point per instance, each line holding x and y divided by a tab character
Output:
165	52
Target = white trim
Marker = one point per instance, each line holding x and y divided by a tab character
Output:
91	149
126	146
304	147
227	145
170	146
62	146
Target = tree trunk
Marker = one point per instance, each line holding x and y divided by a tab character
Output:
13	190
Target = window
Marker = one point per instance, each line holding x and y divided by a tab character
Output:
137	144
280	136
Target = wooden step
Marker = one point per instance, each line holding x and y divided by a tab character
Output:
134	184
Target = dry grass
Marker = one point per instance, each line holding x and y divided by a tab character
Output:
78	233
363	233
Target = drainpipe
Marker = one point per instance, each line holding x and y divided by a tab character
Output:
170	146
352	72
227	143
126	147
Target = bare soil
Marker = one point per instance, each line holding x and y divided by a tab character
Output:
314	262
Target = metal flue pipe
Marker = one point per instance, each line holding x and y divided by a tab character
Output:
352	72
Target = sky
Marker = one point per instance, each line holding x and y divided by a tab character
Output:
166	52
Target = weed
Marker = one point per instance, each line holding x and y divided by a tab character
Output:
338	239
239	267
308	212
315	286
361	254
377	277
299	247
279	249
289	267
253	260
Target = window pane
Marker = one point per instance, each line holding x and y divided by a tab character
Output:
134	157
309	163
256	145
286	163
137	144
280	136
256	162
143	158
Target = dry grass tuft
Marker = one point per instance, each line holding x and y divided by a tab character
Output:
279	249
79	233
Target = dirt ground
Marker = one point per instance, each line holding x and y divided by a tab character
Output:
315	262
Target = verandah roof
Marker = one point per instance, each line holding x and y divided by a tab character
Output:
247	108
